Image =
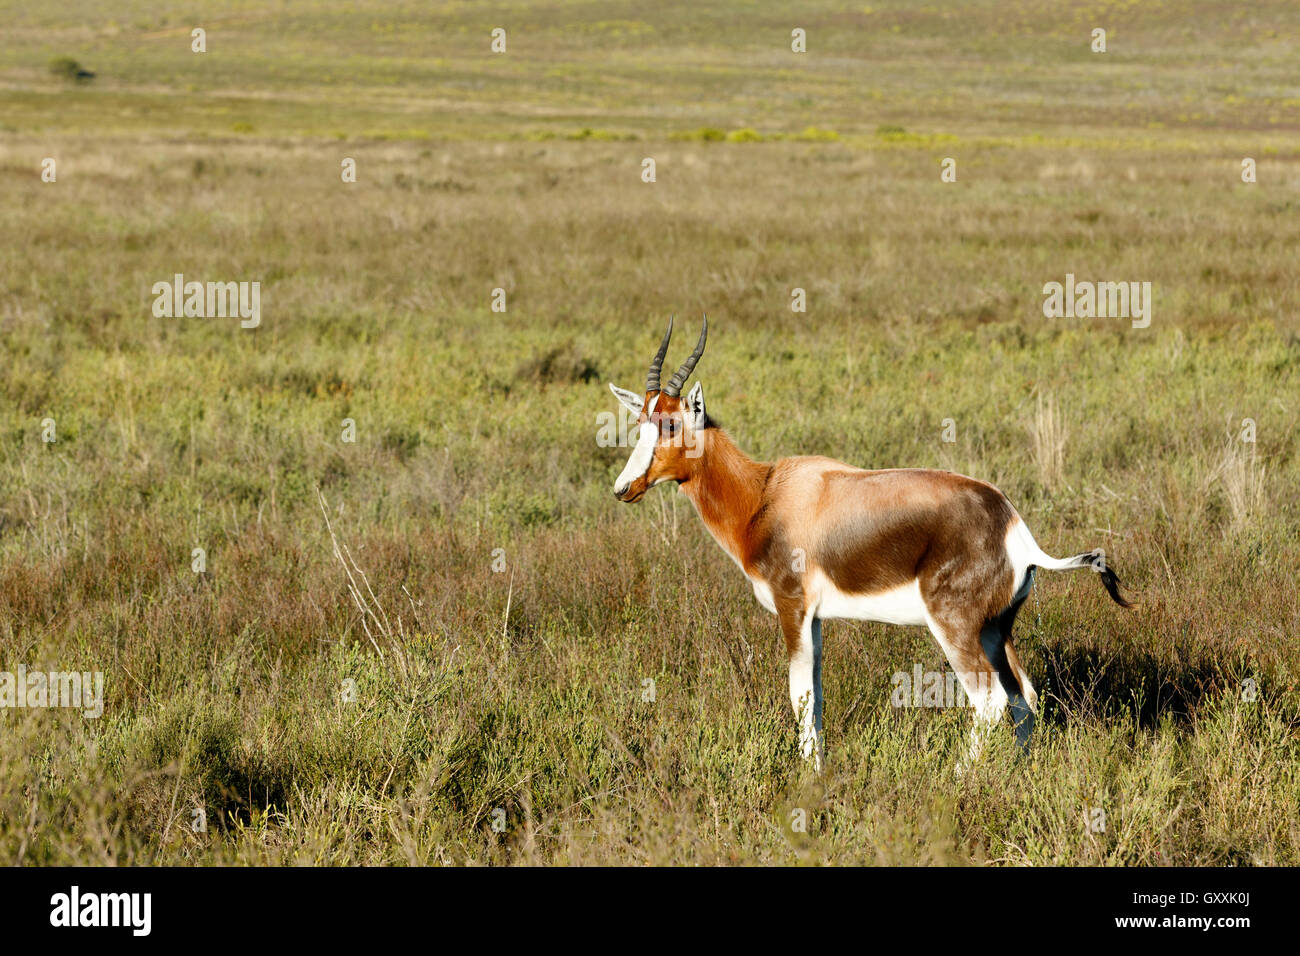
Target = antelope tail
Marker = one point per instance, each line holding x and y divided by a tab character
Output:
1025	553
1089	559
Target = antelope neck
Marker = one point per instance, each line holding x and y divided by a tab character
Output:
726	486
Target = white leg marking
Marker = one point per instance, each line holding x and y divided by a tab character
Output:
806	689
1028	692
983	690
989	701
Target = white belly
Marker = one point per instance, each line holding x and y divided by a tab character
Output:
900	605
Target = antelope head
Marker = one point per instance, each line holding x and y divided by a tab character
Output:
667	439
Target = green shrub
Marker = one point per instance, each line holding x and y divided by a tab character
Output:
65	67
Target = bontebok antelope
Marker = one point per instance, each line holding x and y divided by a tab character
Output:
820	539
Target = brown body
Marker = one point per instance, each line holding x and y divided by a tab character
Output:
868	532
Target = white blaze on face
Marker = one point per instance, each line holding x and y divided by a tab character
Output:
644	452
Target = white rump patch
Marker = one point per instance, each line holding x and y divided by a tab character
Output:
1023	550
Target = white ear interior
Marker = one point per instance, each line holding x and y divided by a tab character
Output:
629	400
695	405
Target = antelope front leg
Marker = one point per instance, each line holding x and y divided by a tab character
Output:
806	686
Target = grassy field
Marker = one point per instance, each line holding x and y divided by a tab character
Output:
490	705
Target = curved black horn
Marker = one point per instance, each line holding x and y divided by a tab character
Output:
652	379
674	386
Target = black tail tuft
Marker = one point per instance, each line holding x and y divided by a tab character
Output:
1108	578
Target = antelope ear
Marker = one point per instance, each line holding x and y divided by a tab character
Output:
695	407
629	400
